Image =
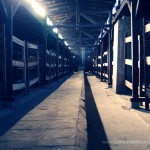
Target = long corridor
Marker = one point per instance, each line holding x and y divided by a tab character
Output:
80	114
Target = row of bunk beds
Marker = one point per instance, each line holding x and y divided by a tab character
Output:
35	57
134	52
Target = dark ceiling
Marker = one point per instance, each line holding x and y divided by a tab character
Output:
79	21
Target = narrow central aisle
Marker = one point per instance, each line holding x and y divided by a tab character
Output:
53	124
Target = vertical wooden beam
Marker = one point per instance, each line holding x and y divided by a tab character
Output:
26	68
63	61
4	11
134	50
57	58
110	53
8	55
44	55
96	62
146	71
101	54
98	49
141	66
38	60
110	58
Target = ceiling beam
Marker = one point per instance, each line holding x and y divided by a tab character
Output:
81	45
3	9
90	36
18	3
89	19
80	26
65	19
86	39
70	35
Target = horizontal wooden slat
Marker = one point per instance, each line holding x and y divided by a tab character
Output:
47	65
128	62
33	81
147	28
18	41
32	64
16	63
99	65
52	65
128	39
99	57
48	78
18	86
52	76
106	75
105	64
48	52
148	60
105	53
53	54
128	84
32	46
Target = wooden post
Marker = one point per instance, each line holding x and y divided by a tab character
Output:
141	66
63	61
26	68
96	59
57	58
44	55
8	56
146	71
102	70
110	53
134	49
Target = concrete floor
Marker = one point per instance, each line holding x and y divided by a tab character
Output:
124	127
54	124
57	119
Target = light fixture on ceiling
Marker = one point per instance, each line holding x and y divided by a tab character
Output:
37	8
65	43
49	21
60	36
55	30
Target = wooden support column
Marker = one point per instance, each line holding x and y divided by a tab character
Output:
26	68
102	70
8	56
110	58
96	62
110	53
146	71
44	55
141	64
63	61
57	58
134	50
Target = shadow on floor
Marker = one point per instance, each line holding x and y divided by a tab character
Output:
26	104
95	129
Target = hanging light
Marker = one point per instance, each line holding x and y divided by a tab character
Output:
55	30
60	36
49	21
37	8
65	43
